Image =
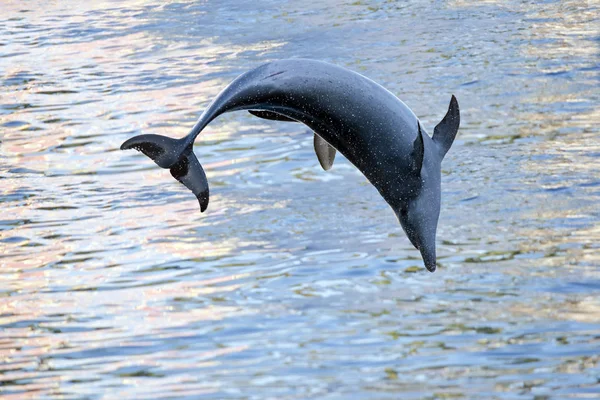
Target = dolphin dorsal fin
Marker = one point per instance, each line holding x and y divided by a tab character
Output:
445	132
271	115
325	152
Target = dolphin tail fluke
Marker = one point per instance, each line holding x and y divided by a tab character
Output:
178	157
190	173
163	150
445	132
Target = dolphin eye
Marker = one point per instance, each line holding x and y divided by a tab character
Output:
403	212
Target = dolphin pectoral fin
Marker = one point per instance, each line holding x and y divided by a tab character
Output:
445	132
189	172
325	152
270	115
418	152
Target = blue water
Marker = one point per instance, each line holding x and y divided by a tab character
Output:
296	283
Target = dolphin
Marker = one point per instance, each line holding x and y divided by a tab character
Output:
348	113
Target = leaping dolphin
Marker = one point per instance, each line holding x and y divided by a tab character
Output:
349	113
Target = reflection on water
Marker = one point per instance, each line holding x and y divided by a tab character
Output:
296	283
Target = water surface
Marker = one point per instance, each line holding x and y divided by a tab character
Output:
296	283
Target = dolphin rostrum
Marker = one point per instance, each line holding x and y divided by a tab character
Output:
349	113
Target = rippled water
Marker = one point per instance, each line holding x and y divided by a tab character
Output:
296	283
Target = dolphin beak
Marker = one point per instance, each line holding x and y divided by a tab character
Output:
428	258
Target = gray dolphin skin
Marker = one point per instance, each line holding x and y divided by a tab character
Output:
349	113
